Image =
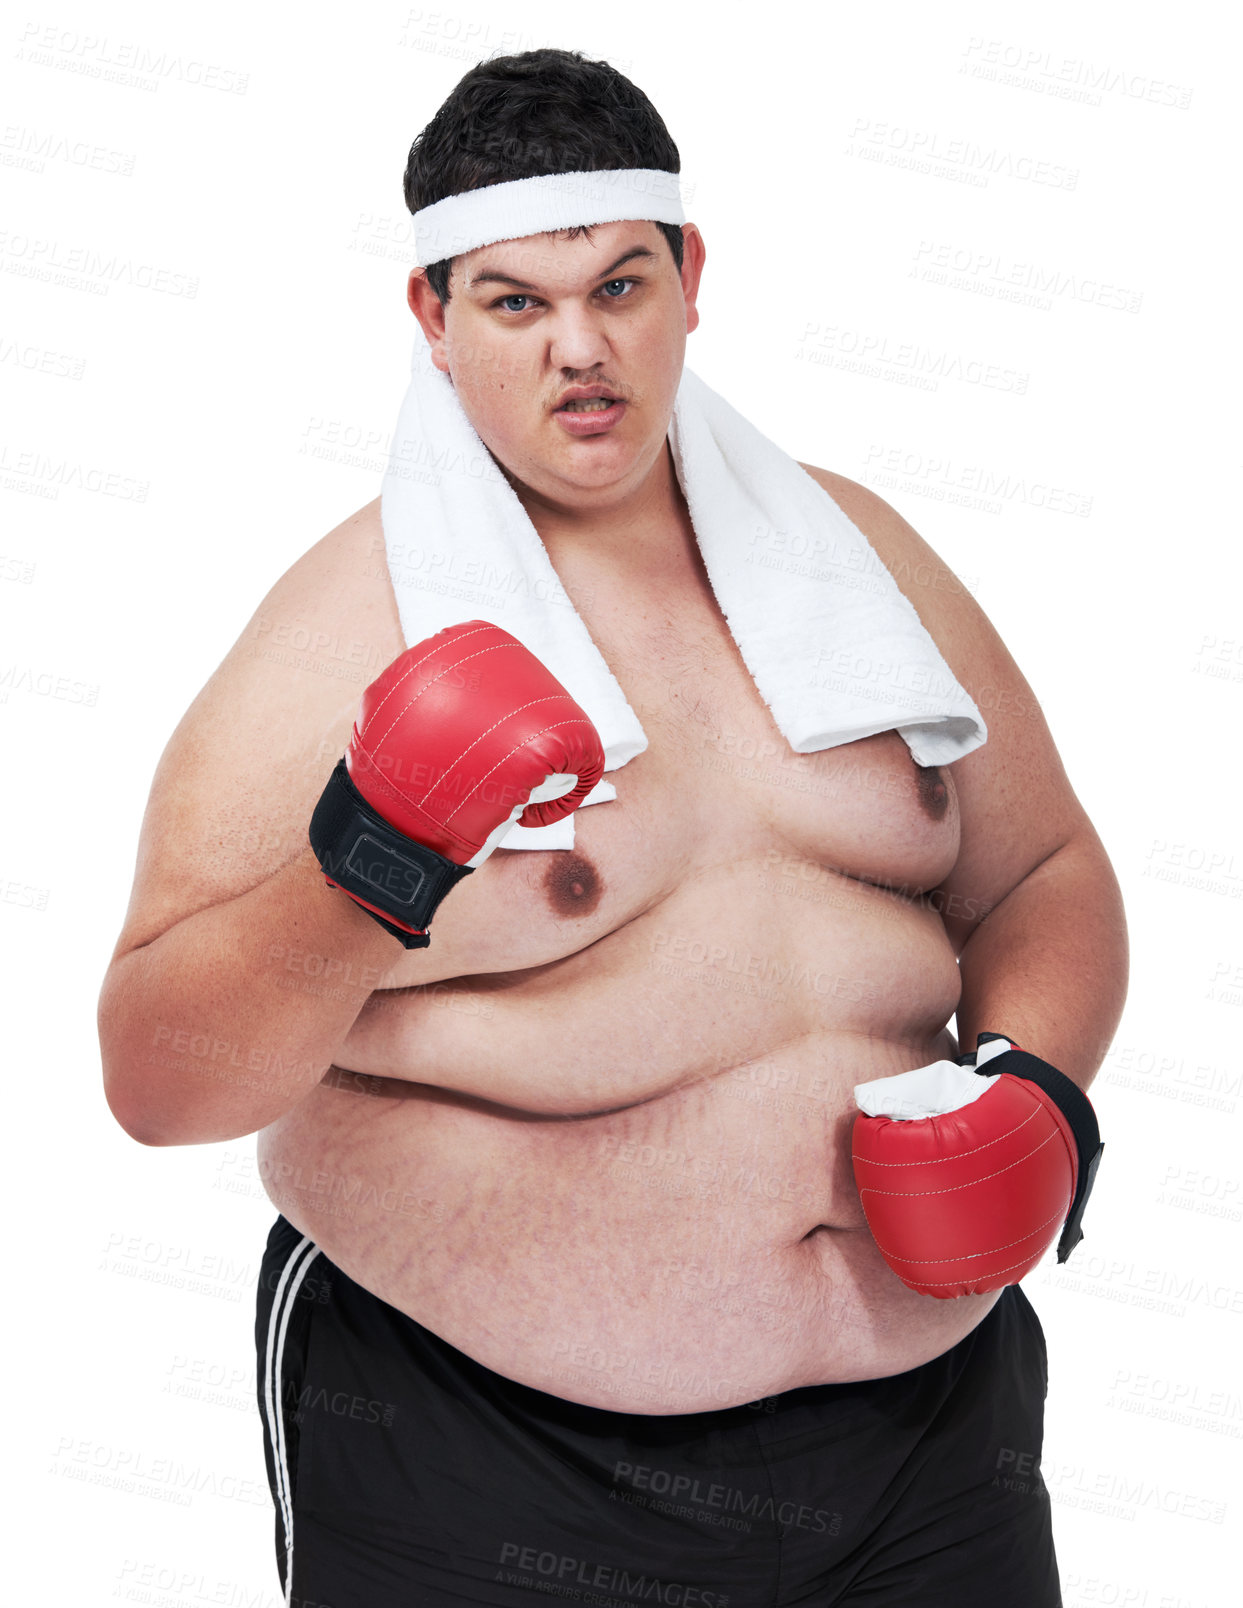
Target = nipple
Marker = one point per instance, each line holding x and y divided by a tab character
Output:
934	796
572	883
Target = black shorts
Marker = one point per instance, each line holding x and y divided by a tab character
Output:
405	1475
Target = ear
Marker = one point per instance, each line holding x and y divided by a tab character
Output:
693	254
426	306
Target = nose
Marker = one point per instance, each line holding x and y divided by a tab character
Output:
577	339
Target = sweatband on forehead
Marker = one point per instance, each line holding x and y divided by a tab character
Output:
522	207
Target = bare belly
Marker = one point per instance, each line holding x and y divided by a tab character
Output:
626	1179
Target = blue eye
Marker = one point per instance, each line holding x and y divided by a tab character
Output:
516	297
609	286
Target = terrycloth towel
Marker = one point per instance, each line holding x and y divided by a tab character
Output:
835	649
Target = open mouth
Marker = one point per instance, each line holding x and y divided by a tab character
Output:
587	404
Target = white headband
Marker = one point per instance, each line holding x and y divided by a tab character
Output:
522	207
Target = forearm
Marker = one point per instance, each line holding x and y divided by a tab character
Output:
208	1033
1048	965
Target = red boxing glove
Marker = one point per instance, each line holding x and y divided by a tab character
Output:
965	1187
461	735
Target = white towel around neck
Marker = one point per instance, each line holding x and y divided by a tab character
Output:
835	649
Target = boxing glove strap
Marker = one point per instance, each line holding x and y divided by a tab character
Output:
1075	1107
388	873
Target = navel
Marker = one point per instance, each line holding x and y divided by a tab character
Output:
572	884
934	796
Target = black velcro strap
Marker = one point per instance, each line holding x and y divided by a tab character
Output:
381	866
1076	1108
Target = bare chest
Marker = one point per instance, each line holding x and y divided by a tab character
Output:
718	789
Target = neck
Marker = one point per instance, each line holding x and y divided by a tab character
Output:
642	527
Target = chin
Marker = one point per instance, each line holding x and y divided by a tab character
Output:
586	463
599	475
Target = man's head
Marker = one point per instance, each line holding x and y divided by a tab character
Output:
521	323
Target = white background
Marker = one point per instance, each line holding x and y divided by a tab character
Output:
168	454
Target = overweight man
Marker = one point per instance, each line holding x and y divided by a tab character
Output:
594	1276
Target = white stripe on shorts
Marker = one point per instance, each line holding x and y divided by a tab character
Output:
304	1253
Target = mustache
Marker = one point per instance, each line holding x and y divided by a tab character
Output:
566	393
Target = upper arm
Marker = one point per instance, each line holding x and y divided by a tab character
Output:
1016	803
234	790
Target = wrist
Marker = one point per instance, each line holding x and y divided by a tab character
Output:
396	880
996	1054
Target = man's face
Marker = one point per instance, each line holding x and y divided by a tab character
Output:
532	325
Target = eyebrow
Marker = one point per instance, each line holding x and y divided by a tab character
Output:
493	277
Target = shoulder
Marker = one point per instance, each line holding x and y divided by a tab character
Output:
329	618
334	603
346	570
240	774
944	603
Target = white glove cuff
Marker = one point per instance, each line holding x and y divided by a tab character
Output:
928	1091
